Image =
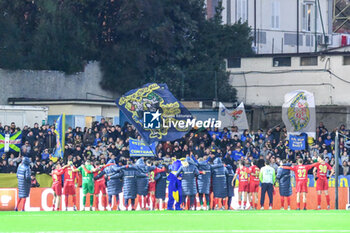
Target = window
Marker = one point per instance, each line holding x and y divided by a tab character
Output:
261	37
281	61
234	62
308	61
309	40
291	39
275	14
241	10
306	14
346	60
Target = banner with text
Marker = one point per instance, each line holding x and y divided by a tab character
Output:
296	142
140	149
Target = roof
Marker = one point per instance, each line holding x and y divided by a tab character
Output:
343	49
41	102
16	107
326	52
31	101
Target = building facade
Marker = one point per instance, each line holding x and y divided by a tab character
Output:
283	26
263	80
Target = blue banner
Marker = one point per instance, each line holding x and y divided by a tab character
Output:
140	149
155	113
60	136
296	142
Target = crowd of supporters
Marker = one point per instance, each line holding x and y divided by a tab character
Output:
104	141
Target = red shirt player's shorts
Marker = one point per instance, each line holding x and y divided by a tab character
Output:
151	186
100	187
301	187
57	188
321	184
69	189
253	187
243	187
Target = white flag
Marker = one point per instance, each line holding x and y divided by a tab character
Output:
7	143
299	113
236	117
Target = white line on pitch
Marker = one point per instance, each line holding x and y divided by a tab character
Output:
209	231
71	213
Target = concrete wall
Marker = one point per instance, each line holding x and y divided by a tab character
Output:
22	115
268	117
51	84
110	111
259	83
86	110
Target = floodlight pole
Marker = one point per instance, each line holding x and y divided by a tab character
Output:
336	168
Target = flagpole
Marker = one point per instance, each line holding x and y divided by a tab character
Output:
336	169
63	132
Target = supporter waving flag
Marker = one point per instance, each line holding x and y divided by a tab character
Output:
155	113
60	135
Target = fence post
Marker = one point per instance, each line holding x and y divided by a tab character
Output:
215	86
336	168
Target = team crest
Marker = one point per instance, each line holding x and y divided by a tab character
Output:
236	114
299	112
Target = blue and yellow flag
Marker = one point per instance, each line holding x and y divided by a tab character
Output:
155	113
60	136
11	142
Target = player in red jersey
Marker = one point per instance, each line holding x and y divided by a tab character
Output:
69	184
242	173
152	185
320	173
300	172
57	172
100	187
253	184
151	188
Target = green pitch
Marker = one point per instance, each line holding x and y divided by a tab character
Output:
180	221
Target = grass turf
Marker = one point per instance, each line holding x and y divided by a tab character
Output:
177	221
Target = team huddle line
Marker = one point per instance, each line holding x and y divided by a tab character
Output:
145	184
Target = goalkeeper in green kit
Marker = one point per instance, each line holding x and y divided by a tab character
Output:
88	181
